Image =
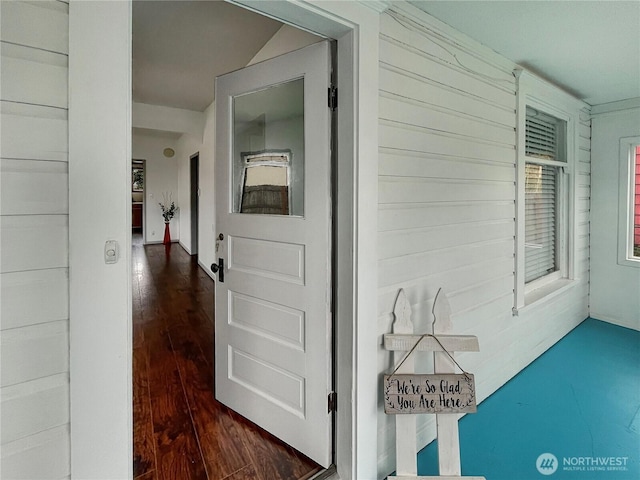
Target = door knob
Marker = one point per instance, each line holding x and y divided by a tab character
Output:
219	269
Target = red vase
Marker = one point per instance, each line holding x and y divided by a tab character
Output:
167	234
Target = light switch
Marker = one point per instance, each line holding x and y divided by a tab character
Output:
110	251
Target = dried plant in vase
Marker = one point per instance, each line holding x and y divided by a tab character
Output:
168	207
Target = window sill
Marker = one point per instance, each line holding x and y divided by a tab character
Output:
545	292
625	261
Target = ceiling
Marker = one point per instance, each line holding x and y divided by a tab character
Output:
590	48
180	47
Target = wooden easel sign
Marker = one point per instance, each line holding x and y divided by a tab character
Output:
429	393
443	392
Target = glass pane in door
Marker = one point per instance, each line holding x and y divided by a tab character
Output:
268	150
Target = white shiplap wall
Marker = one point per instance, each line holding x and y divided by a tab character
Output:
34	285
447	192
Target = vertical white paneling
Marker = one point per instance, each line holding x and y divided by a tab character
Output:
447	203
34	227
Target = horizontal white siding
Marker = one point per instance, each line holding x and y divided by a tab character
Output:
23	72
34	283
447	192
43	25
34	242
34	132
40	456
34	296
34	352
34	187
38	400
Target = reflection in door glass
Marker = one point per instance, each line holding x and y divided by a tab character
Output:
268	150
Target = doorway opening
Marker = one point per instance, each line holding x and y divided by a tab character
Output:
158	437
194	195
109	316
137	197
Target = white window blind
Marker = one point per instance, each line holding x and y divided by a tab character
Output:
541	209
544	136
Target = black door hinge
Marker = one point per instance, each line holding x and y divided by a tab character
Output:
333	97
333	402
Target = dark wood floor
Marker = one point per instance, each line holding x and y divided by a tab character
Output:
180	431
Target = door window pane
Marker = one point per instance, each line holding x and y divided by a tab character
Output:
268	150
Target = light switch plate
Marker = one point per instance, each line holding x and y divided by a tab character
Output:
110	251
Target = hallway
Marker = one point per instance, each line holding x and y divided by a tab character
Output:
180	431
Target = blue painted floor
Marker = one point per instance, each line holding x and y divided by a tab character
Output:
580	402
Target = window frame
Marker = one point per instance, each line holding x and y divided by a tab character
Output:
626	204
537	94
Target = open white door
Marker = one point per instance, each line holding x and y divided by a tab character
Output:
273	215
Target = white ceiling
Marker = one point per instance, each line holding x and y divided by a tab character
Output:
179	47
590	48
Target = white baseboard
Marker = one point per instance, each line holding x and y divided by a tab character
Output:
626	323
206	269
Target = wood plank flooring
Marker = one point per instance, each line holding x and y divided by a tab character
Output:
180	431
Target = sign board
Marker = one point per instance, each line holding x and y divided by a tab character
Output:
429	393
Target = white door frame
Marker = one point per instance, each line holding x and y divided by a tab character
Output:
100	310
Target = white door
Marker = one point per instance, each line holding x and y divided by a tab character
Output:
273	219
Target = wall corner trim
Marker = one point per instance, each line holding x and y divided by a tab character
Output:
628	104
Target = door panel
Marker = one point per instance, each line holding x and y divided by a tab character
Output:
273	211
277	322
277	260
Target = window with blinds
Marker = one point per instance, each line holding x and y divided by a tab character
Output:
545	136
541	208
546	155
